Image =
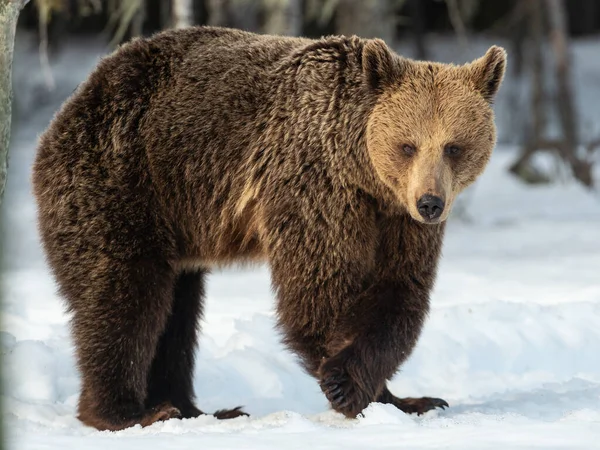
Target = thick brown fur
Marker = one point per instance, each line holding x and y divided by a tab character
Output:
208	146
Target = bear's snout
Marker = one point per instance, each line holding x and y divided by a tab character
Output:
430	207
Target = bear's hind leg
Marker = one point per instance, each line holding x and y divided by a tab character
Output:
117	322
171	375
170	380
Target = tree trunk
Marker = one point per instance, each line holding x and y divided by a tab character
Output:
566	146
9	13
537	63
282	17
566	109
246	14
417	19
200	9
458	23
183	13
219	13
534	135
137	22
365	18
558	40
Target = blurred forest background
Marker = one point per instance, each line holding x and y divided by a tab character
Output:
539	110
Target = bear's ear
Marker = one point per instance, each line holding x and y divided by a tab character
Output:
487	72
380	67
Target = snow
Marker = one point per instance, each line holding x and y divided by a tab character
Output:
512	341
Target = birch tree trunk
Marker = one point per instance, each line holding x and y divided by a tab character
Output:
9	13
183	13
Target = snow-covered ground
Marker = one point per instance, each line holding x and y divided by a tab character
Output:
512	342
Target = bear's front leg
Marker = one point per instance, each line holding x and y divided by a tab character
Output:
321	257
347	381
381	328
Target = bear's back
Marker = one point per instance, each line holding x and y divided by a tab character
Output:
164	122
152	92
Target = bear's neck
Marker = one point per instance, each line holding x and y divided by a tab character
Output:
317	118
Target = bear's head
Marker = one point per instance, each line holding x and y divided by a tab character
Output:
431	132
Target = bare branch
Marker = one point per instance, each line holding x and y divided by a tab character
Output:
593	145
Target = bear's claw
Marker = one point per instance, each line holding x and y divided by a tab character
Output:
223	414
439	403
419	405
160	413
343	392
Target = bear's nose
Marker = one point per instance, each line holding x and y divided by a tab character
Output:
430	207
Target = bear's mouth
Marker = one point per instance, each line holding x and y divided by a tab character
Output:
429	221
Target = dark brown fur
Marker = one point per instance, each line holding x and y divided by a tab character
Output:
206	146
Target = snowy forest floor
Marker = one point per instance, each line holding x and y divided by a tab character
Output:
512	341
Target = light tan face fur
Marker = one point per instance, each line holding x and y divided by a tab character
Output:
435	109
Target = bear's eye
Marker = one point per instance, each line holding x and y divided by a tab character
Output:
452	150
408	149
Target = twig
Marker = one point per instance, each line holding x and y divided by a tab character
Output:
44	15
593	145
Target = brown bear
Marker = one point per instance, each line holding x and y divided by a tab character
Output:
336	161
